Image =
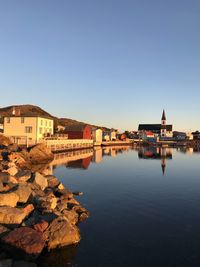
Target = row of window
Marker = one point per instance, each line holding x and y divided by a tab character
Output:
23	121
46	123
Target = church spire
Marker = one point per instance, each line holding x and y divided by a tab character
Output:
163	116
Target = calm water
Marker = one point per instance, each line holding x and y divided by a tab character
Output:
144	205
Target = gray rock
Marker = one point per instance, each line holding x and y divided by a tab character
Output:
9	199
24	264
23	175
40	180
52	181
6	263
12	170
61	233
3	230
14	216
23	191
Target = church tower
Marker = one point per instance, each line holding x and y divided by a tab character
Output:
163	125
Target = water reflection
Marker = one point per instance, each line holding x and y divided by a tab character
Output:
157	220
82	159
159	153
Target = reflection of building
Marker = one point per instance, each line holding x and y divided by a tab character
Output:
80	164
97	156
159	153
162	130
28	130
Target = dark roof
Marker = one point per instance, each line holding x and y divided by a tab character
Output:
78	127
153	127
30	116
163	116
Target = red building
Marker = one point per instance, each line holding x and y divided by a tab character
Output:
78	131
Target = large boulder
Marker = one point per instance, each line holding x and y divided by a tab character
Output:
61	233
9	199
25	239
3	231
14	216
4	141
23	175
38	154
40	181
23	191
17	158
12	170
47	202
52	181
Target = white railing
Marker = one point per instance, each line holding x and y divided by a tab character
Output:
68	144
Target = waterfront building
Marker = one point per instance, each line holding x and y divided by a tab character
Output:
28	130
97	135
78	131
163	130
196	135
149	136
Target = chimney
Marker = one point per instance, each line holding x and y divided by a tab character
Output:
16	111
13	111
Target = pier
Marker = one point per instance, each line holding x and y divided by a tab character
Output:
58	145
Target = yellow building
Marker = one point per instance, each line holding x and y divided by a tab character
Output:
28	130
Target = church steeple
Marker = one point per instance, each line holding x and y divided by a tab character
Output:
163	116
163	125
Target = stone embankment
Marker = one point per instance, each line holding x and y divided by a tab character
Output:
36	211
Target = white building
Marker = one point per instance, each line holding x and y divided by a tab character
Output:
28	130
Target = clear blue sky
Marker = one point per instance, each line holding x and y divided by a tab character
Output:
110	62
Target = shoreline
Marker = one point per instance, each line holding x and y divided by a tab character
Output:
37	212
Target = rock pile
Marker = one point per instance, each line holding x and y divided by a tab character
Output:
36	211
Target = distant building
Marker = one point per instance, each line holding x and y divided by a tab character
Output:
179	135
28	130
106	136
123	137
149	136
97	135
78	131
113	135
162	130
60	128
196	135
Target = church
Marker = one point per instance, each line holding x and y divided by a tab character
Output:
162	130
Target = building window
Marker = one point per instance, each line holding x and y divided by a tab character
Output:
50	124
41	122
8	120
40	130
28	129
46	123
22	120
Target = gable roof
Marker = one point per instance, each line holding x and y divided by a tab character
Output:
78	127
153	127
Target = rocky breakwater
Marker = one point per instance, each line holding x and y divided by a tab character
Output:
36	211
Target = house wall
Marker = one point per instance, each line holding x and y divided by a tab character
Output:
74	134
87	134
97	135
44	127
15	128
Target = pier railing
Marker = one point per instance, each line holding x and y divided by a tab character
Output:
68	144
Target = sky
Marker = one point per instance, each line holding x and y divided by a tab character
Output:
115	63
